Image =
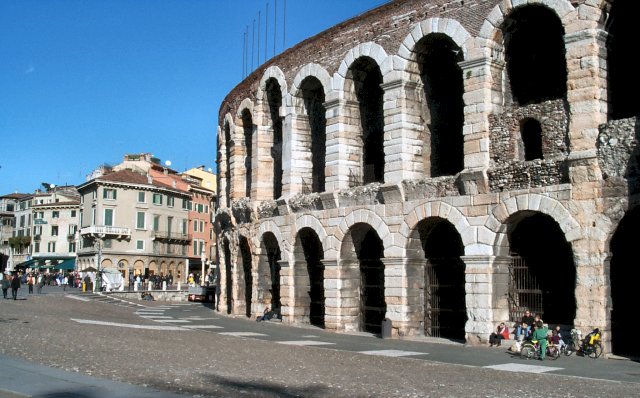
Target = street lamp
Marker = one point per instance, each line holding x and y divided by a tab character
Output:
203	259
98	278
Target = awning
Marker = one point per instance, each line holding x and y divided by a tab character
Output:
66	265
27	264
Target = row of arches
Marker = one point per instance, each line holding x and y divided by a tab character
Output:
285	143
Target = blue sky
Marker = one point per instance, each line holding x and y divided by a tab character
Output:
83	82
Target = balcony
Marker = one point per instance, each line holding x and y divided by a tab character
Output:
105	231
171	236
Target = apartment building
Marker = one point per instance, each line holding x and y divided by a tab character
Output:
133	221
8	206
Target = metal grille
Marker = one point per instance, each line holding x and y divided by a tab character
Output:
524	290
445	310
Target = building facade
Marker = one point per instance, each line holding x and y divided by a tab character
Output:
441	164
8	207
133	222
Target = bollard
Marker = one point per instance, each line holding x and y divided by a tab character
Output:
150	286
164	285
179	283
385	332
84	287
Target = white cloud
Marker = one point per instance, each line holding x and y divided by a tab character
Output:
30	69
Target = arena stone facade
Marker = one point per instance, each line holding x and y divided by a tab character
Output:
442	164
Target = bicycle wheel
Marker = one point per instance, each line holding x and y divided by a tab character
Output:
528	351
553	352
596	350
569	349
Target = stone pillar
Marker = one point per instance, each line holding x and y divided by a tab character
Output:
481	295
348	300
300	166
332	285
287	290
300	300
403	132
400	298
263	165
415	296
344	143
289	142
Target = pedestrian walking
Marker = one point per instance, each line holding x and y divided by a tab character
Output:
6	283
15	285
30	283
40	283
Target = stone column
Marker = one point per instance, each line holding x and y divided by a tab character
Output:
415	309
287	291
289	143
344	142
403	132
481	296
300	300
400	295
332	285
348	300
300	165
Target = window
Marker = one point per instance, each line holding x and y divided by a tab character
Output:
109	193
157	198
200	208
156	223
72	247
51	247
55	214
170	201
36	247
37	230
73	213
206	209
195	247
108	217
142	197
140	244
201	226
140	221
185	226
54	230
93	216
195	225
73	229
106	244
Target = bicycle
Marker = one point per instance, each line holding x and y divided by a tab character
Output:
592	348
531	350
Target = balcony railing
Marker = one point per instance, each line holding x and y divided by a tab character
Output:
170	235
106	231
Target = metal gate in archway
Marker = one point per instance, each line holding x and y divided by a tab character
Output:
524	290
445	310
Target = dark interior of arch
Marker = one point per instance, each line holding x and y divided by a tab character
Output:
548	257
367	79
445	305
535	54
313	254
622	43
274	99
228	275
438	58
245	251
531	132
227	174
313	96
247	127
370	251
624	277
273	256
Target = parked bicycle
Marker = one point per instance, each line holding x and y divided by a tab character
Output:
531	350
590	346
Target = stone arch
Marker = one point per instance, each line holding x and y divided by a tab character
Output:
244	275
271	72
106	263
311	69
368	49
227	140
530	202
138	267
312	222
246	127
245	104
270	226
368	217
477	240
446	26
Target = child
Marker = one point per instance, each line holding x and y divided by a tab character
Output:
501	333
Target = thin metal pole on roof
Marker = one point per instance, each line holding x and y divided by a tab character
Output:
253	39
258	52
284	26
247	48
244	38
275	24
266	32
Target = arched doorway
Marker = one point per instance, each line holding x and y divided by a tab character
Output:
624	276
274	103
542	274
228	275
315	126
309	275
445	310
245	279
269	272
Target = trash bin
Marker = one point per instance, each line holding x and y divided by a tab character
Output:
386	328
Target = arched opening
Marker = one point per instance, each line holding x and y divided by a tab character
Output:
247	128
247	279
535	55
438	57
269	272
309	281
227	172
624	277
531	133
542	274
367	78
228	275
313	97
622	74
445	310
274	101
364	242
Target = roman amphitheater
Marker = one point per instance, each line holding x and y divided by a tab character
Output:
439	166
